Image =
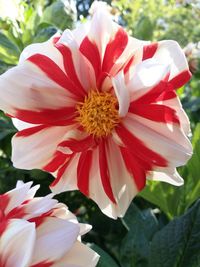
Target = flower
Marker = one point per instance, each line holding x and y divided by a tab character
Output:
39	231
192	53
99	110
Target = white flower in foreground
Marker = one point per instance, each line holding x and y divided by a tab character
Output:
99	110
40	232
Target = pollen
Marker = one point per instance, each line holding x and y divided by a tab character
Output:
98	114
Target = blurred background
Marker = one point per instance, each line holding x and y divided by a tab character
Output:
159	229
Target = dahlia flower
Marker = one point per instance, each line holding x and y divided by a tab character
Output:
99	110
39	232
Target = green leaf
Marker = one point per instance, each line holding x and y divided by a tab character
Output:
105	259
44	34
142	226
177	244
9	52
144	28
59	14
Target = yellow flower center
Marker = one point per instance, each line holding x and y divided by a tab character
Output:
98	114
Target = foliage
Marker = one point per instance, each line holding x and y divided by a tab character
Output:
162	225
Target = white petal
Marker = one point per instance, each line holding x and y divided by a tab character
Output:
170	53
21	125
17	243
46	48
36	150
170	176
54	238
88	257
38	206
146	74
26	87
166	140
69	178
32	191
82	67
122	93
121	181
102	29
17	196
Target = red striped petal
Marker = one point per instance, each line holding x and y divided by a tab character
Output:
57	117
58	159
181	79
79	145
61	170
31	131
128	65
69	66
134	168
155	112
17	212
4	201
53	71
114	49
91	52
149	50
153	94
3	226
43	264
104	171
83	171
139	149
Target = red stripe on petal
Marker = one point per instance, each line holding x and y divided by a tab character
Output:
91	52
56	39
128	65
134	168
139	149
43	264
4	201
167	95
155	112
69	66
41	219
105	177
62	170
83	171
181	79
149	50
57	117
3	226
79	145
153	94
114	49
30	131
58	159
53	71
16	213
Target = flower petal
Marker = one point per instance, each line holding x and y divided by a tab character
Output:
88	257
13	254
144	77
36	99
32	149
169	52
122	93
54	238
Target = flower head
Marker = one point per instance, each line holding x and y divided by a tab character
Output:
39	231
99	110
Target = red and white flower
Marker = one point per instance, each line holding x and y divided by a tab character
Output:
99	110
40	232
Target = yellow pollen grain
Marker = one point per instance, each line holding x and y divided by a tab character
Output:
98	114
